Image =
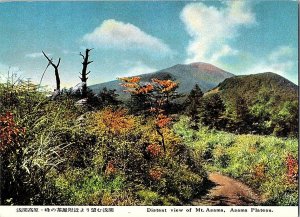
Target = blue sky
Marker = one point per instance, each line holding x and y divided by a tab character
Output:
130	38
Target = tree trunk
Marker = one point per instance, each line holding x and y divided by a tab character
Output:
56	71
162	138
84	72
57	79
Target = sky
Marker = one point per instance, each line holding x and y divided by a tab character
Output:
130	38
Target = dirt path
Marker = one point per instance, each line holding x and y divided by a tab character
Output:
227	191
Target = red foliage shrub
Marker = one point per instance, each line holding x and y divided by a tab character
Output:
259	172
110	168
154	150
155	174
292	168
10	133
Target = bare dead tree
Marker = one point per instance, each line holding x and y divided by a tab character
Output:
84	72
56	71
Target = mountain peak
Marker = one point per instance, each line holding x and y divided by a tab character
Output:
207	67
205	75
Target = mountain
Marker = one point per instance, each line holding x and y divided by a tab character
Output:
205	75
249	86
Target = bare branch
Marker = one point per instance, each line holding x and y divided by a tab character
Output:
58	62
47	57
89	62
81	55
50	60
56	72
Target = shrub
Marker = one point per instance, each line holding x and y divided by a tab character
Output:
266	163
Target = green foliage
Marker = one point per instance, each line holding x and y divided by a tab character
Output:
193	103
58	152
253	104
108	97
260	161
85	187
285	122
69	155
248	86
134	154
212	111
149	198
239	117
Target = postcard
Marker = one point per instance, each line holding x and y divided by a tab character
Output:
130	108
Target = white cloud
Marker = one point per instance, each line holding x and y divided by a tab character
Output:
36	55
281	52
124	36
212	29
65	51
280	61
225	50
136	68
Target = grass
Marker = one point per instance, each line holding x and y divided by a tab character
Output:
68	156
259	161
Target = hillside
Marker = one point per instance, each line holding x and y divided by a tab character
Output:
248	87
205	75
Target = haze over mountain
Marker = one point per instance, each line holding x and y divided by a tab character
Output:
207	76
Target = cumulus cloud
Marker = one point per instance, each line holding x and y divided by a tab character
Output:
212	29
280	61
125	36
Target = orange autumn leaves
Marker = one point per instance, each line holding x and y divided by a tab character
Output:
10	133
156	173
157	94
154	150
162	120
165	85
112	121
133	85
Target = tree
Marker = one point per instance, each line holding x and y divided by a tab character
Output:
193	103
285	122
84	72
108	97
243	120
140	94
50	61
262	109
158	95
166	90
212	111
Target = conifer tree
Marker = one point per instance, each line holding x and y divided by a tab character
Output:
193	103
212	112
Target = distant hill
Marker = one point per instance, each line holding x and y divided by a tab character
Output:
248	87
205	75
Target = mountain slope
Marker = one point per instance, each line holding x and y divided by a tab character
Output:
249	86
205	75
